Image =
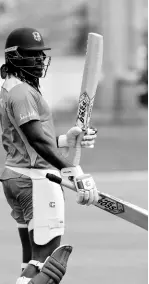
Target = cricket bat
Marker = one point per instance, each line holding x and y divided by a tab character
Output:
90	80
118	207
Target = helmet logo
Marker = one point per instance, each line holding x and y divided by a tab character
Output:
37	36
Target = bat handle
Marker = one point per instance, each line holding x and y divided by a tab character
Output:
54	178
60	181
64	182
77	156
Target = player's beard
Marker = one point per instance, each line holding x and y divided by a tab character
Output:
30	67
36	71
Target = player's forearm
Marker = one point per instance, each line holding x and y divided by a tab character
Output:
50	153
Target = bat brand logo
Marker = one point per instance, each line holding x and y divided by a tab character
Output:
88	183
52	204
85	109
110	205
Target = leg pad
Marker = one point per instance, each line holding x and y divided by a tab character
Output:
54	267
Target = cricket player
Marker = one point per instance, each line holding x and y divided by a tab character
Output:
32	151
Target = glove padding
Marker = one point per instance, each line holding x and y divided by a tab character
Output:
88	140
72	171
87	193
54	269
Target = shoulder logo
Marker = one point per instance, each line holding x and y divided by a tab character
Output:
37	36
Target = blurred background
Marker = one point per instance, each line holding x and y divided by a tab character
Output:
122	95
65	25
119	161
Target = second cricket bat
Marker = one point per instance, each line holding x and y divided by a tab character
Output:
90	80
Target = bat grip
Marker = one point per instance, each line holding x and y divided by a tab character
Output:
54	178
77	157
61	181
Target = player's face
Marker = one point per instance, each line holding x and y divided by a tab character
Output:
33	61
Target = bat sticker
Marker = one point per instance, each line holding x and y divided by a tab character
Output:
110	205
85	109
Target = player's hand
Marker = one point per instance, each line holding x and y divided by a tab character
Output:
87	193
85	185
72	172
72	136
69	139
87	138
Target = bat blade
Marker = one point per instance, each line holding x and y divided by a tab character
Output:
123	209
90	80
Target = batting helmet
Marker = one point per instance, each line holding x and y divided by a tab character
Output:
25	38
25	49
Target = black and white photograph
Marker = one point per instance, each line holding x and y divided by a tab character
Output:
73	141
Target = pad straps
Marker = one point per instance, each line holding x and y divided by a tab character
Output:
36	263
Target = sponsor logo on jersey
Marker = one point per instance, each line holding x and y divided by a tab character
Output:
27	116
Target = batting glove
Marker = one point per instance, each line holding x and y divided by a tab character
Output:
87	193
88	140
70	138
72	172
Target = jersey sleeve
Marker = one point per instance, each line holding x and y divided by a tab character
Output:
23	105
